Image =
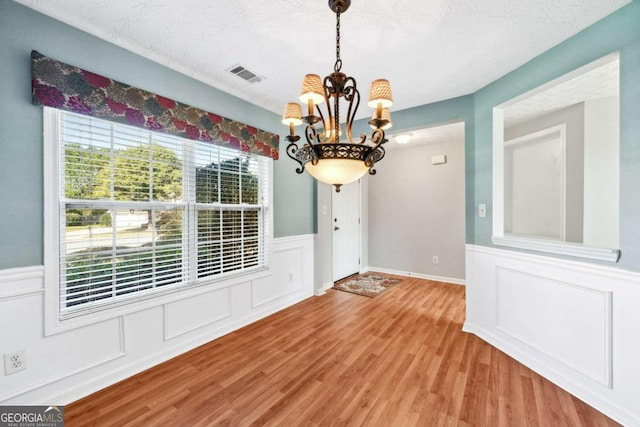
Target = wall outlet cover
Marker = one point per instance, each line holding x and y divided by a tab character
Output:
14	362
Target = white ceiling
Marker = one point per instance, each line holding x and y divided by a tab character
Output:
429	50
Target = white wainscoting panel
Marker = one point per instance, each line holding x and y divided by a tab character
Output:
195	312
78	361
575	323
288	272
581	341
52	358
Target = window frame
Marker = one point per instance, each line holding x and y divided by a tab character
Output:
54	321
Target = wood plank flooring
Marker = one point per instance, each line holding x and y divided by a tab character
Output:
399	359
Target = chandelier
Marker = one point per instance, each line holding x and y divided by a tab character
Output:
323	155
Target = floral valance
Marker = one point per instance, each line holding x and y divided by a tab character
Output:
59	85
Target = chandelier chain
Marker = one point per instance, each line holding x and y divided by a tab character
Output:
338	64
335	132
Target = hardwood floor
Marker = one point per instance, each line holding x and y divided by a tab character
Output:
399	359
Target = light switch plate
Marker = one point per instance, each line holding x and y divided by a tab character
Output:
482	210
439	159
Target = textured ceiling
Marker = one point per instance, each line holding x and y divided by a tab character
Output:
600	82
432	135
429	50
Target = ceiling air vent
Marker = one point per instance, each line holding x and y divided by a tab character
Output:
245	74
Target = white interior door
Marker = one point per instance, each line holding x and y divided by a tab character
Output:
346	231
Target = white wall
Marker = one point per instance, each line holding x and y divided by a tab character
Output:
602	172
364	220
574	323
66	366
534	197
323	242
573	117
416	212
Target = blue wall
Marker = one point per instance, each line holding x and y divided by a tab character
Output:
619	31
21	158
22	30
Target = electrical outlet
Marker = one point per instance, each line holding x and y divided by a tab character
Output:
290	277
436	260
14	362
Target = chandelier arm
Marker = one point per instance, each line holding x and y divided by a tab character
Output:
336	120
350	91
317	154
375	156
332	116
291	150
377	139
381	154
310	134
351	94
319	137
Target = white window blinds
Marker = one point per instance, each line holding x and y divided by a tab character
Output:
142	212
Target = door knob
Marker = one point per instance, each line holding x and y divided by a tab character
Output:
336	228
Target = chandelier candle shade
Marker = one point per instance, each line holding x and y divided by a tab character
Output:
323	155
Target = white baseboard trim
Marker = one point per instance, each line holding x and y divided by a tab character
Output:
63	375
452	280
529	360
323	289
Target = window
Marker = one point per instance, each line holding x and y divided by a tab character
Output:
137	213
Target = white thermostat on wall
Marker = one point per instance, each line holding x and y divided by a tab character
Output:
439	159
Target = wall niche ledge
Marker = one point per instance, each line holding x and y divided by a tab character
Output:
559	248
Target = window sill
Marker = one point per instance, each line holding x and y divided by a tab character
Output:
558	248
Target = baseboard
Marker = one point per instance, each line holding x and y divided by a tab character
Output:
452	280
323	289
532	362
